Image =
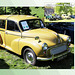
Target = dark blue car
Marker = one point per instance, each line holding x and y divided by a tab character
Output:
72	16
66	28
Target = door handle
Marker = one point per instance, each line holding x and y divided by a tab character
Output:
6	32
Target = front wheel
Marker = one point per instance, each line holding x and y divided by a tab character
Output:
29	56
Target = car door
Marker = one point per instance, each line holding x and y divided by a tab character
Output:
2	32
12	36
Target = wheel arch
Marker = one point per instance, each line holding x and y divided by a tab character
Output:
24	49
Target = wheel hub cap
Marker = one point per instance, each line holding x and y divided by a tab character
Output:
29	57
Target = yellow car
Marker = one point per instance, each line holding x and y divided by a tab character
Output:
27	36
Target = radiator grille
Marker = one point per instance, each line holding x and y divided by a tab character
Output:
58	50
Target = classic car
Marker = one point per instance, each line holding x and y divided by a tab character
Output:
53	17
58	17
49	17
66	28
64	16
27	36
72	16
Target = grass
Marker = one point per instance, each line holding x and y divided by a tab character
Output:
64	20
9	60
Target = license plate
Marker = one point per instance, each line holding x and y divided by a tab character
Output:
62	57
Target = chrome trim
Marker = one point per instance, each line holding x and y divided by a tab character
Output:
50	48
12	34
69	38
52	57
58	50
44	45
29	57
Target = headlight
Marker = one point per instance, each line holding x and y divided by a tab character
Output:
69	39
44	46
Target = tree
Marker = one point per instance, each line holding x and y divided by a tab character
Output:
73	10
25	10
1	10
37	12
14	10
59	9
67	8
19	10
63	8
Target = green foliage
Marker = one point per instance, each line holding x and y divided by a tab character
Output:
15	10
63	8
73	10
38	11
2	10
19	10
25	10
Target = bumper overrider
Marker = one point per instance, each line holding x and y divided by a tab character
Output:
53	56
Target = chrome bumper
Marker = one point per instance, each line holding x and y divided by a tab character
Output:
53	57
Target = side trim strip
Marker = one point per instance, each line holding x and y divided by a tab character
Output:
13	34
2	30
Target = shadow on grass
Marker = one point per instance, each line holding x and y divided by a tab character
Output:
10	52
3	65
66	63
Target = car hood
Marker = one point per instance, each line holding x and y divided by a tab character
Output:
42	33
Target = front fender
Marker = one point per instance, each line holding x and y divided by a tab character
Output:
64	37
32	43
15	45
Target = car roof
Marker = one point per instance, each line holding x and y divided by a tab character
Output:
17	17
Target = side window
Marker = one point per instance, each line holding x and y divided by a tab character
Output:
11	25
2	24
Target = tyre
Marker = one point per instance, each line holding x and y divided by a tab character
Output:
29	56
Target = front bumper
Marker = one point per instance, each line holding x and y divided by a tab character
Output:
53	57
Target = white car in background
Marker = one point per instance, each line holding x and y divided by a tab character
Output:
65	16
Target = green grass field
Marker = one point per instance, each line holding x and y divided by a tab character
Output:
9	60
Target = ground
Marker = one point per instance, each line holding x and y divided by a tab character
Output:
9	60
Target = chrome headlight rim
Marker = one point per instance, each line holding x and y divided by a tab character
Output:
69	39
44	46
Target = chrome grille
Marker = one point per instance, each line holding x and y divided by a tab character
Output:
58	50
